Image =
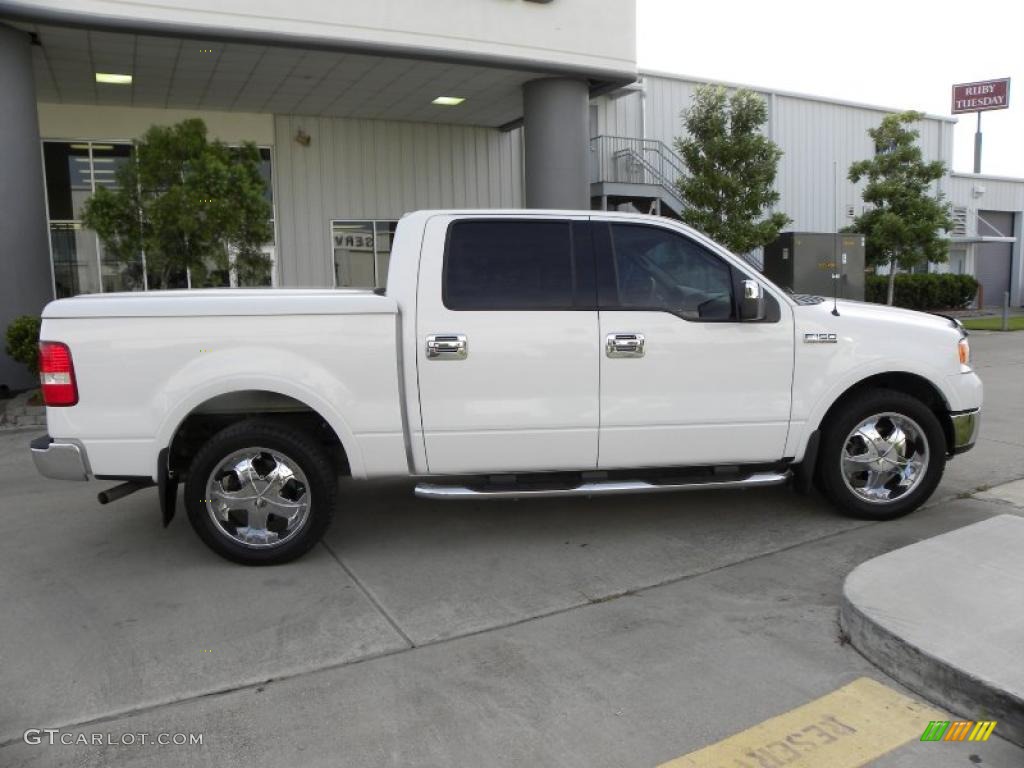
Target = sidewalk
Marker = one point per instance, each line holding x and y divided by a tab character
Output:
944	617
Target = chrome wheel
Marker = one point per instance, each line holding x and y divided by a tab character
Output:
884	458
258	497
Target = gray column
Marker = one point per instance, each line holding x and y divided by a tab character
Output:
557	136
26	282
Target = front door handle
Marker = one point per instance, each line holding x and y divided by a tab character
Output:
447	346
624	345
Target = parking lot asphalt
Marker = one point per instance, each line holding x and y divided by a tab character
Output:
624	631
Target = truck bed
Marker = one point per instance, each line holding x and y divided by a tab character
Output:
144	361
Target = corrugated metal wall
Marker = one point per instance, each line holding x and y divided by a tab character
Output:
812	133
994	194
375	169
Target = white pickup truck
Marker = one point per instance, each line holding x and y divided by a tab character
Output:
513	354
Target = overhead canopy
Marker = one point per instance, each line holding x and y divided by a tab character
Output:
170	72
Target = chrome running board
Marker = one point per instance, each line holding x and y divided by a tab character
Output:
594	488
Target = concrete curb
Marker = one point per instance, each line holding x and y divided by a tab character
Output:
877	624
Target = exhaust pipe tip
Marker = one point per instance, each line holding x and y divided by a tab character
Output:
122	490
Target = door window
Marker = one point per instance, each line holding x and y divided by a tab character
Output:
509	265
656	269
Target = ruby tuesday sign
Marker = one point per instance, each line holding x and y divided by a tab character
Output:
981	96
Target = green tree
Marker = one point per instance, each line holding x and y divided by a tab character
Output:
187	203
731	169
23	341
904	219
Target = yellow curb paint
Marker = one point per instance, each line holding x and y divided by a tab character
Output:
847	728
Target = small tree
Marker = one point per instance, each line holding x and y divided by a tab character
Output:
903	223
187	203
731	169
23	341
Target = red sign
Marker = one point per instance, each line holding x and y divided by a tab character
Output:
981	96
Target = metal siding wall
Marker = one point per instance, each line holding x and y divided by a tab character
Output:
812	134
619	117
999	195
376	169
666	100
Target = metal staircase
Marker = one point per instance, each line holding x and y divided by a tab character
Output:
638	170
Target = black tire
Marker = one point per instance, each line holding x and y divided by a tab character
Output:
298	448
834	433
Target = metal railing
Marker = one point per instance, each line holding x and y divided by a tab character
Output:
624	160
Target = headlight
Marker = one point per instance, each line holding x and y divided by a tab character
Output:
964	350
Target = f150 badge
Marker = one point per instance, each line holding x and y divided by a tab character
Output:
820	338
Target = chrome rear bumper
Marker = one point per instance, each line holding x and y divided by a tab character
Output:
965	429
61	460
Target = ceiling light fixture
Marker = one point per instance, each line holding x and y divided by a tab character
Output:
113	79
448	101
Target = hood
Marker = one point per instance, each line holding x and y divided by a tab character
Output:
880	312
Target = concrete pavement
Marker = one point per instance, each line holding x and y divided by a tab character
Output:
622	631
633	681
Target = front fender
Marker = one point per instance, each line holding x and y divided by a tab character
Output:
811	414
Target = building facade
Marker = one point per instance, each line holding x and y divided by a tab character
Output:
363	112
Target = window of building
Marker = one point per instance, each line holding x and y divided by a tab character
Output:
362	252
73	172
509	265
660	270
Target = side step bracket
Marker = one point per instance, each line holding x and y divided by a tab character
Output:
594	487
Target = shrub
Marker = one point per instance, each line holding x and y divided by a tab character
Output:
939	291
23	341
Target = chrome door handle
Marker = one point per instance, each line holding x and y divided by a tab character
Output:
624	345
447	346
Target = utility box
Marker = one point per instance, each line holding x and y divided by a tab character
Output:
806	261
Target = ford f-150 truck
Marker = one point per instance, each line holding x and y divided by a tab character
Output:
512	354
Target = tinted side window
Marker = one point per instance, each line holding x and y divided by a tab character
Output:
661	270
524	265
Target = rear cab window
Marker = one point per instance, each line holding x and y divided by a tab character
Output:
518	264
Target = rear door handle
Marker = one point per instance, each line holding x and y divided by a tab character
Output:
624	345
447	346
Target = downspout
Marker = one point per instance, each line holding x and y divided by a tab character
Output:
643	107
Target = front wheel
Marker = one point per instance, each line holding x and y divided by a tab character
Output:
260	492
882	455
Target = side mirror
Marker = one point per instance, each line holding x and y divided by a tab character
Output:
752	301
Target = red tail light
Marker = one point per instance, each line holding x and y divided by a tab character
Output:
57	374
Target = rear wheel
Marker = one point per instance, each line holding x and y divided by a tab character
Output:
260	492
881	456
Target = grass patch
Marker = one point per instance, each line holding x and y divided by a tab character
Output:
993	323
